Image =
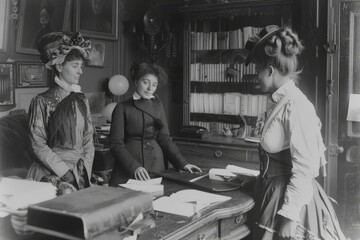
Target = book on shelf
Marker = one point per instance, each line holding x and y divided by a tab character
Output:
187	202
105	127
232	39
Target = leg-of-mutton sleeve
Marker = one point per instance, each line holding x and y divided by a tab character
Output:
302	127
38	120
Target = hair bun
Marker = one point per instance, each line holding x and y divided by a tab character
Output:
291	43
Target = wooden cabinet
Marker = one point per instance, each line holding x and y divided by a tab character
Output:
218	152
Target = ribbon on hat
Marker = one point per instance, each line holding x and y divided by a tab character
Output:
257	39
57	51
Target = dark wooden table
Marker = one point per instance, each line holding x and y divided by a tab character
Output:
225	220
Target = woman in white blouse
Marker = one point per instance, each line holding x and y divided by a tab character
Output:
289	203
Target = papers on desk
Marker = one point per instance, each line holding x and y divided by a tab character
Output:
230	172
187	202
18	194
244	171
152	186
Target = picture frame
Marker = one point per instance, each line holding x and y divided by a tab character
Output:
38	17
7	79
97	53
4	25
31	75
97	20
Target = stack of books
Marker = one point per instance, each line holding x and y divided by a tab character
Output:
103	131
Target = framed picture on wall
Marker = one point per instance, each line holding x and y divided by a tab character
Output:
97	53
7	79
4	25
97	18
31	75
38	17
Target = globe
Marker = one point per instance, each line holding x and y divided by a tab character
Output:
118	85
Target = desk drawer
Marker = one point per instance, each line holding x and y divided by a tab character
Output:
209	156
206	232
232	224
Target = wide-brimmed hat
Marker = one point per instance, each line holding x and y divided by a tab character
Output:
54	47
256	40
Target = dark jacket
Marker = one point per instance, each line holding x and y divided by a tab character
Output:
139	137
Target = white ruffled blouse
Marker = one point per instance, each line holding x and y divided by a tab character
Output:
292	123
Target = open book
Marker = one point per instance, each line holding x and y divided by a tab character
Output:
187	202
231	171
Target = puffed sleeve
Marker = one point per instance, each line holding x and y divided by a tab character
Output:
88	142
38	123
117	144
302	127
167	145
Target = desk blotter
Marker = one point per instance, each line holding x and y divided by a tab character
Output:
203	183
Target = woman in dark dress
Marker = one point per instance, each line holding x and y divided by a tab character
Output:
139	132
289	203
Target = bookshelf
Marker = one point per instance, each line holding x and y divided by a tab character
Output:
216	81
217	87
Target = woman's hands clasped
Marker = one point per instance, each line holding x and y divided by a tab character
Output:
192	168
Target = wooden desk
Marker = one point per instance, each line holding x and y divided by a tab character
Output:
222	221
226	220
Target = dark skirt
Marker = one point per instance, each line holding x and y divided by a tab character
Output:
318	218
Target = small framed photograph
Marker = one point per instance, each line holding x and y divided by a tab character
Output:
97	18
7	79
97	53
32	75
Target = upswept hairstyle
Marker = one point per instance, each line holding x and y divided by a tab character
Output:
281	51
137	71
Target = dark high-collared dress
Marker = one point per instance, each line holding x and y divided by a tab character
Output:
139	137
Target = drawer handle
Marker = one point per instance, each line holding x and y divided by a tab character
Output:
238	219
218	153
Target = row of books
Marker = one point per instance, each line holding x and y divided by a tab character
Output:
218	72
222	40
228	103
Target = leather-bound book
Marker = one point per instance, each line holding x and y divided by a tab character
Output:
88	213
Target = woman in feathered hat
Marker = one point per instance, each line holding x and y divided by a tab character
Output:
60	123
289	203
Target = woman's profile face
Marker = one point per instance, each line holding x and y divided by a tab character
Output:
264	78
147	85
71	71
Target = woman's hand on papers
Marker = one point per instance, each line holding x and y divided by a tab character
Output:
141	174
192	168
